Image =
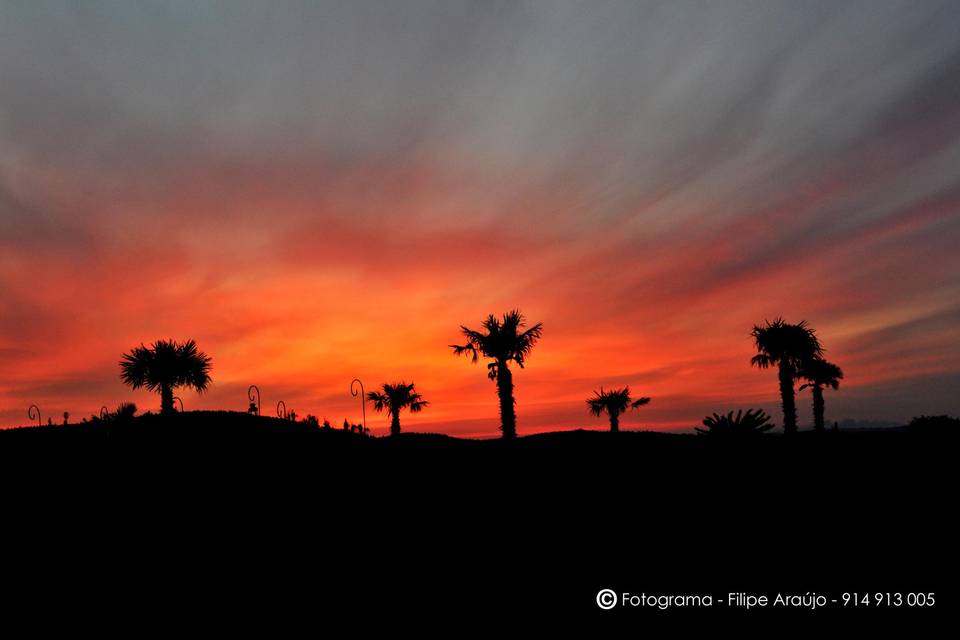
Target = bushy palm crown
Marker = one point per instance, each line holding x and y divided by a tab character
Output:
502	340
791	344
166	363
395	397
820	373
613	402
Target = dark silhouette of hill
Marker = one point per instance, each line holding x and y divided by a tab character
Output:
232	515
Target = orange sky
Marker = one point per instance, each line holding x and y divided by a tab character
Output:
300	306
312	223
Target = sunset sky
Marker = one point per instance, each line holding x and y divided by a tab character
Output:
319	191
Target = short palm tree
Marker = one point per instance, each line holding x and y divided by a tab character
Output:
164	366
614	402
819	374
503	341
394	398
786	346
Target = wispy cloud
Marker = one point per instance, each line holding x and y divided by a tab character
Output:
319	191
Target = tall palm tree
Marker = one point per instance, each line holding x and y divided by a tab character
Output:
394	398
503	341
614	402
787	346
164	366
819	374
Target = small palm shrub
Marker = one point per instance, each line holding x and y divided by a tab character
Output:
124	412
753	422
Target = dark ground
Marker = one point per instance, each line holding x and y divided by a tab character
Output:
215	519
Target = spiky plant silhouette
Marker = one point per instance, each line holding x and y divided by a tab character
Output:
393	399
614	403
503	340
820	374
124	413
164	366
786	346
753	422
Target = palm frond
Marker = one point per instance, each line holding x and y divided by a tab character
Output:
418	405
459	350
779	342
502	339
613	402
135	368
194	365
761	360
597	405
378	399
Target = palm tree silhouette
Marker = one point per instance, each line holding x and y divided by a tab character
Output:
394	398
503	341
614	402
819	374
788	346
164	366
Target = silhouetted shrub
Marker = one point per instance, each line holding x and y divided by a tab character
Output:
753	422
124	412
935	424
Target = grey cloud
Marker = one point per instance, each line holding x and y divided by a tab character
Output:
752	134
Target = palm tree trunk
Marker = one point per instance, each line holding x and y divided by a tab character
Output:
394	423
614	423
508	416
787	398
818	408
166	399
